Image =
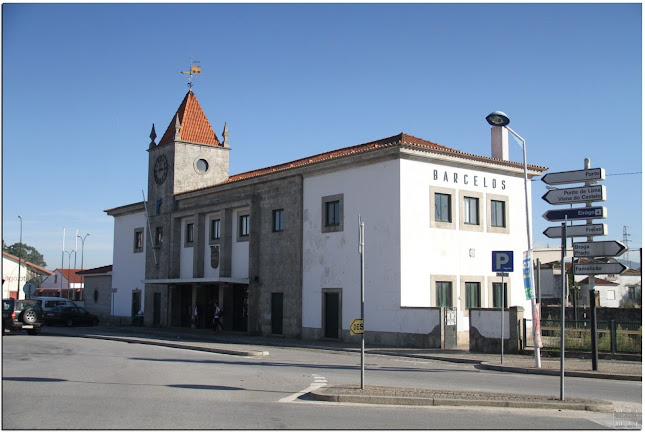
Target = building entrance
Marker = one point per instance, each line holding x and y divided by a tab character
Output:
233	300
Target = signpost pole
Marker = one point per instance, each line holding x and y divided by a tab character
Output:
592	296
502	307
563	306
361	248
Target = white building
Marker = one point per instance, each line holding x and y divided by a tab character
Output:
62	283
278	247
14	280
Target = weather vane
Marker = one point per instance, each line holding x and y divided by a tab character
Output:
194	70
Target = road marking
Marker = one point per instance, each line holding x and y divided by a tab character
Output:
319	381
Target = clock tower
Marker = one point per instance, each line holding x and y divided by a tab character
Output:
188	156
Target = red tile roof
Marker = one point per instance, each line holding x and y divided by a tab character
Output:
97	270
27	263
70	275
597	281
400	140
194	126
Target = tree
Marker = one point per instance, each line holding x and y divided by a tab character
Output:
25	252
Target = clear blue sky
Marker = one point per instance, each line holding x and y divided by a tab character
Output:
83	83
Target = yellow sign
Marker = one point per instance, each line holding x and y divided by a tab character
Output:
356	327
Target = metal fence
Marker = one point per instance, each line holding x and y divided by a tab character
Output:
613	336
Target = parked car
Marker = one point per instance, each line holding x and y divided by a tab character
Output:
20	315
48	303
69	316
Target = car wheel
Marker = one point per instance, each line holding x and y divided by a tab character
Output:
29	316
69	322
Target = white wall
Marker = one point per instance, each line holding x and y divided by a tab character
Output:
10	278
331	260
128	267
209	271
457	252
239	249
186	253
402	250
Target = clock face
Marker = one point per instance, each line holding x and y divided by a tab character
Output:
161	169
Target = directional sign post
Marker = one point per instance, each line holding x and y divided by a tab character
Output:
578	231
599	268
588	194
575	195
609	248
579	176
576	214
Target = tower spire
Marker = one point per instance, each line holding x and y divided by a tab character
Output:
225	135
153	135
177	128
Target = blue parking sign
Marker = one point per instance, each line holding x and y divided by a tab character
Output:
502	261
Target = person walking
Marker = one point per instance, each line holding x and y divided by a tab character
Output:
216	318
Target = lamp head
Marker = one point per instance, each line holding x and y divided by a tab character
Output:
497	118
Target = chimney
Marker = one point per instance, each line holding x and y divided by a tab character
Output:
499	142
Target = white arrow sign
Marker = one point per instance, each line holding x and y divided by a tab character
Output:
564	177
599	268
609	248
577	231
576	195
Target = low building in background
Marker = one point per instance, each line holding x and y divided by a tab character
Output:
11	286
98	291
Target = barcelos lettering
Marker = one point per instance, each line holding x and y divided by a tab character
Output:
469	179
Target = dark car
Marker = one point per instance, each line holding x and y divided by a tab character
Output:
69	316
20	315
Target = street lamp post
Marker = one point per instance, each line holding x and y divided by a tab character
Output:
82	250
500	119
19	255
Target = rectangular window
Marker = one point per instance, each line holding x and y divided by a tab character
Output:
473	295
444	294
138	240
498	214
332	212
244	225
190	233
497	295
442	208
631	293
278	220
611	295
215	229
158	236
471	211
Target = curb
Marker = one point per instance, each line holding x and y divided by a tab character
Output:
556	372
245	353
321	395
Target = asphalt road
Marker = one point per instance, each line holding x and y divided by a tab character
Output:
54	382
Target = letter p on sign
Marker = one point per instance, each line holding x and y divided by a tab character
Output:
502	261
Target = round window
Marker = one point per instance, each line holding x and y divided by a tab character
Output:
201	165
